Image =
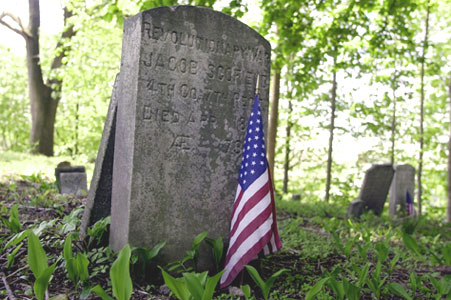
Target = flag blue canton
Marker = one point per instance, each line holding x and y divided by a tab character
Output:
254	161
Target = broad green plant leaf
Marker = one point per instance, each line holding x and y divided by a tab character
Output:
37	260
120	275
246	291
194	285
446	251
11	257
42	282
316	289
176	285
101	292
399	290
210	286
199	239
337	288
264	286
217	248
82	266
411	243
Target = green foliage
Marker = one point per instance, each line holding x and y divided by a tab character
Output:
191	255
399	290
12	222
316	289
77	267
192	286
217	248
265	286
97	231
120	278
142	256
37	260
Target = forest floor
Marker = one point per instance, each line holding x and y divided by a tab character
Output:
325	256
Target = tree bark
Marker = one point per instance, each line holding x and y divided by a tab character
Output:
273	119
393	124
286	165
333	99
420	159
448	211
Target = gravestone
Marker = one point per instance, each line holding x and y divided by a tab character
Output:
296	197
188	77
374	190
98	204
403	183
71	180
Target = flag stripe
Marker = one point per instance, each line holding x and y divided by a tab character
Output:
250	204
261	181
252	221
248	249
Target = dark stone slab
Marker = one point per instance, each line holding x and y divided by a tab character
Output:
403	182
73	183
67	169
296	197
375	187
355	208
98	204
188	77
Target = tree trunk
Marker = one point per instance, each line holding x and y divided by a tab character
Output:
331	131
43	108
286	165
273	119
393	124
448	211
420	159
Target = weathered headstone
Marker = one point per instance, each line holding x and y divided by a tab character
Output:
98	204
374	190
403	182
355	208
296	197
188	77
71	180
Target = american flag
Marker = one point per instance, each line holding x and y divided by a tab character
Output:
253	228
410	209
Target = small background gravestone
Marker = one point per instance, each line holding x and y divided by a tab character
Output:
403	182
296	197
374	191
187	84
98	204
71	180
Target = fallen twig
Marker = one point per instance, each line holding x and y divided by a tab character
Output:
8	289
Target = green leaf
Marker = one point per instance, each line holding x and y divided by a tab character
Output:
399	290
411	243
337	287
194	285
176	285
256	277
67	249
246	291
37	260
210	286
155	250
101	292
217	247
82	267
42	282
12	256
120	275
199	239
316	289
446	251
269	283
362	275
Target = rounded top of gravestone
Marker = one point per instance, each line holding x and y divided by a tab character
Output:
71	169
405	167
204	15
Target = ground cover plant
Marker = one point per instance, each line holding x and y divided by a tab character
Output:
324	257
